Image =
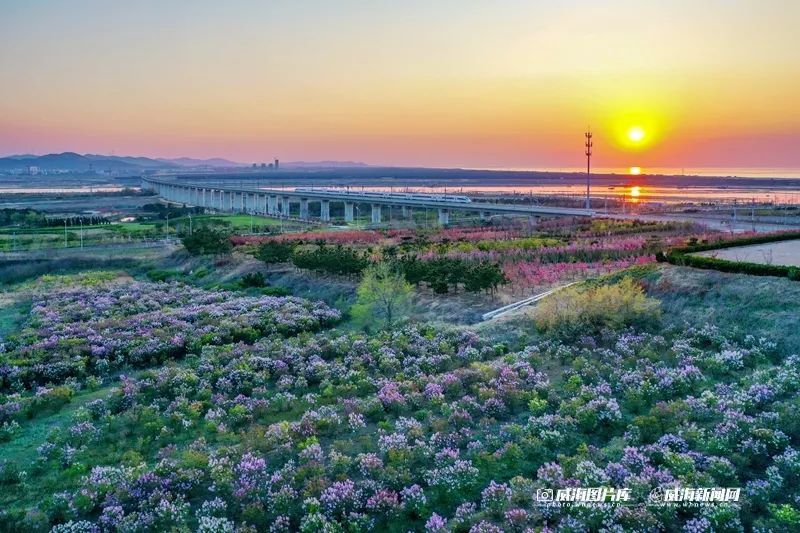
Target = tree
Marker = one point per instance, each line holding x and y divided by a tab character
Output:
275	252
333	260
383	295
207	241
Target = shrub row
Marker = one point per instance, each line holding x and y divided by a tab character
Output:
684	256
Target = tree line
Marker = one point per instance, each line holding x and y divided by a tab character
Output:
442	274
31	218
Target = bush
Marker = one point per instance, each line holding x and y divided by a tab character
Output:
276	291
275	252
588	311
162	275
253	279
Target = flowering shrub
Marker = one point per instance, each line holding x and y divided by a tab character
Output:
418	428
76	333
526	257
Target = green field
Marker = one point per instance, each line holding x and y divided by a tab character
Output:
18	239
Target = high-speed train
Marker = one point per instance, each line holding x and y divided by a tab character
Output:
393	195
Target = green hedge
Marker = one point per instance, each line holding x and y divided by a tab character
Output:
684	256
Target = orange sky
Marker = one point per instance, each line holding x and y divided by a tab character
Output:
474	83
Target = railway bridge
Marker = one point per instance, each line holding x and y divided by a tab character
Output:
275	202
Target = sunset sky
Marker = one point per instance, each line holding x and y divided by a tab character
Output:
470	83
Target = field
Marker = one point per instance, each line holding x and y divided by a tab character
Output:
785	253
114	228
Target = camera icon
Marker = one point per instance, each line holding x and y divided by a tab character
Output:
544	495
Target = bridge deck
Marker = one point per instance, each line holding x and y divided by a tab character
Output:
366	198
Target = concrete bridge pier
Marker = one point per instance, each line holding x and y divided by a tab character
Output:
325	210
444	216
406	212
272	204
348	211
304	208
285	206
376	213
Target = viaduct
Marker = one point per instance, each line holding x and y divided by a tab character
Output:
273	202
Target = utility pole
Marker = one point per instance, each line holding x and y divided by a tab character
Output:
588	145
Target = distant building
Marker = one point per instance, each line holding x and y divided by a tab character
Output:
255	165
33	170
271	166
277	164
263	165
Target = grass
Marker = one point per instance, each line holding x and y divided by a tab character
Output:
747	305
53	237
12	314
33	433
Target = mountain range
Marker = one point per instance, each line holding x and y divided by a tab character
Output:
72	162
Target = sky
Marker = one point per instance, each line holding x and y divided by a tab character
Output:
461	83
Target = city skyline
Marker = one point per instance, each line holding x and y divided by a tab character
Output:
468	84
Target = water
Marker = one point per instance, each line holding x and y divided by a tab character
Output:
58	190
708	172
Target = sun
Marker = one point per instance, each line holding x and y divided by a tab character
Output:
636	134
635	171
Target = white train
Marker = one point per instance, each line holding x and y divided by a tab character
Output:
393	195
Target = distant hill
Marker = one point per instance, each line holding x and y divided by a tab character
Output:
72	162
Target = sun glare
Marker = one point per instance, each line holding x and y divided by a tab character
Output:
635	171
636	134
636	191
